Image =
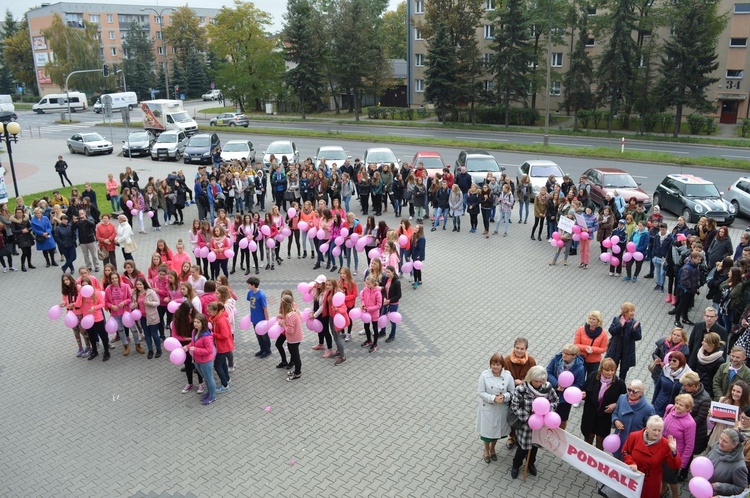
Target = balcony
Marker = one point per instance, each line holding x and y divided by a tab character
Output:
125	25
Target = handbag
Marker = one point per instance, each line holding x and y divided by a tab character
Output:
289	196
514	422
40	238
102	253
130	246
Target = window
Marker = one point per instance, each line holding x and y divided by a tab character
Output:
174	50
489	31
488	85
590	42
111	35
487	60
489	4
110	18
159	35
157	20
113	50
419	85
101	53
94	18
202	21
419	60
418	34
556	59
419	7
742	8
591	10
99	36
160	50
555	88
735	73
738	42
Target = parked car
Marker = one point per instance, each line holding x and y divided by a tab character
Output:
538	171
739	195
478	163
169	145
138	143
279	149
238	149
603	181
212	95
691	197
380	156
230	119
432	160
200	147
332	154
89	143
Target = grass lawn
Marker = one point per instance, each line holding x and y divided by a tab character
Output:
101	196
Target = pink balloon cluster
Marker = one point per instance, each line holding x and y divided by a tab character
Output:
542	415
702	470
613	244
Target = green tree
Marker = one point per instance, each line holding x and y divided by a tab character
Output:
19	59
178	79
9	28
394	27
545	15
616	71
186	35
441	85
302	47
577	80
249	66
690	57
197	80
138	61
512	54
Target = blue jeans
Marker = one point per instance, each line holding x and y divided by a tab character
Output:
70	256
503	216
438	212
551	228
658	270
151	333
220	365
239	204
521	205
204	369
346	202
114	201
349	252
211	212
466	198
391	307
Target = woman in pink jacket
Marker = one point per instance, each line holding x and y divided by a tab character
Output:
117	300
678	422
181	327
290	319
93	306
219	243
160	285
203	240
372	301
224	343
179	257
69	298
203	350
348	286
146	301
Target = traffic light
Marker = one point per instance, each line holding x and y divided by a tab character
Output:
105	70
115	69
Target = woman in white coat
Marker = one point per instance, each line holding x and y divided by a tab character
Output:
124	237
494	389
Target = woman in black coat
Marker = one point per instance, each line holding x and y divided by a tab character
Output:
391	289
708	360
20	225
701	404
597	411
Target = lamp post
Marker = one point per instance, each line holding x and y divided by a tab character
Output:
9	131
160	16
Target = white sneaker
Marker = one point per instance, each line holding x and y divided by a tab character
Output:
361	332
201	389
577	405
347	337
13	269
5	269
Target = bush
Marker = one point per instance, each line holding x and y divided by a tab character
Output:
584	116
647	122
745	129
380	112
623	120
664	123
700	124
597	116
517	116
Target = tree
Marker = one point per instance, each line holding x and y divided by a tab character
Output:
545	15
512	54
690	57
9	28
138	61
441	85
394	27
186	35
196	75
75	49
302	47
577	80
616	70
249	66
19	58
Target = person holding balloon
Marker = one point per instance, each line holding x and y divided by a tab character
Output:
565	370
585	234
648	451
372	302
355	233
418	243
391	296
203	240
89	304
291	321
146	302
494	388
117	298
203	350
348	286
222	333
562	241
339	320
637	247
181	327
679	423
729	470
69	298
616	242
220	246
600	393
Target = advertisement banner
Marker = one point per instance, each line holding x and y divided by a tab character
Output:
42	78
595	463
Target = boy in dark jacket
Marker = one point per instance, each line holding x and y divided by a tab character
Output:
688	283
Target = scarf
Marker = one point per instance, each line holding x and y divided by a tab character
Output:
519	361
563	366
541	392
592	334
674	374
647	441
708	358
606	383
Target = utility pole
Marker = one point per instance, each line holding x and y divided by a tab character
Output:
67	78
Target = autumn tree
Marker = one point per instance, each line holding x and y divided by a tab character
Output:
8	29
188	38
19	58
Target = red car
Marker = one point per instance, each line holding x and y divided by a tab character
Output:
433	162
605	181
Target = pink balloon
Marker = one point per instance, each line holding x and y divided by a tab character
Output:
172	306
54	312
339	240
129	204
585	236
336	251
627	256
403	240
383	321
607	243
321	235
303	226
552	420
177	357
553	242
286	232
638	256
406	267
261	328
291	212
360	245
303	287
111	326
171	343
611	443
395	317
274	331
270	243
87	291
701	488
681	237
204	252
536	422
605	257
324	247
71	319
616	249
556	235
87	321
228	253
265	230
630	246
355	313
127	319
259	237
136	314
614	261
312	233
344	232
246	322
540	406
615	240
418	265
134	212
197	252
349	243
338	299
339	321
307	297
565	379
576	229
317	325
252	246
576	237
702	467
150	214
279	237
374	253
366	317
560	243
573	395
305	315
211	257
244	242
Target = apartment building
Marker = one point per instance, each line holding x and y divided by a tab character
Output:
114	22
730	93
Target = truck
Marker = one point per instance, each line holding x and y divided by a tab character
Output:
162	115
120	101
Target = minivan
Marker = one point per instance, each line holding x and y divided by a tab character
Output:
59	102
6	104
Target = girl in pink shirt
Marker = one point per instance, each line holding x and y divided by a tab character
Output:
179	257
290	320
93	306
182	326
117	300
218	245
203	350
69	297
372	301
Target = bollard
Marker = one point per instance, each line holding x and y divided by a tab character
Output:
622	145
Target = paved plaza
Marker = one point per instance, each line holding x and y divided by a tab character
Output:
398	422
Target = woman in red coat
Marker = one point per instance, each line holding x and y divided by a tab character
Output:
647	450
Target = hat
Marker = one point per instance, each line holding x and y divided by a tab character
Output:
572	212
621	221
321	279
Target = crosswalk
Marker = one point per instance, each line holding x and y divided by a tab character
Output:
56	130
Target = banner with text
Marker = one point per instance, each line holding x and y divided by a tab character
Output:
595	463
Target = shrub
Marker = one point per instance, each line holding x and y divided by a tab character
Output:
647	122
701	124
517	116
745	129
584	116
597	116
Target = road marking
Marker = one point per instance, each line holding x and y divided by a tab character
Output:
657	150
354	131
568	144
409	135
483	138
736	157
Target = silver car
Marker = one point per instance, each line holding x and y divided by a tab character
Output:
538	171
230	119
279	149
89	143
238	149
138	143
169	145
380	156
739	195
332	154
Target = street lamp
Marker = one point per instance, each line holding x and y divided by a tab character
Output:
9	131
160	16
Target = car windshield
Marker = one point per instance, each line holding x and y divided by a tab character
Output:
199	142
381	156
702	190
167	138
431	162
544	171
333	154
91	137
621	180
481	164
140	136
236	148
279	149
181	117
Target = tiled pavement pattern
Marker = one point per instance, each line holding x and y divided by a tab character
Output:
399	422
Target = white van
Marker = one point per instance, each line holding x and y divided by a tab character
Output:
6	104
119	101
59	102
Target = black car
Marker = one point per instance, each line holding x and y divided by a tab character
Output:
200	147
138	143
692	197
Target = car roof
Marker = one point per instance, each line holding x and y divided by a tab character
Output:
330	147
476	152
541	162
609	170
428	153
285	142
689	179
379	149
208	135
236	142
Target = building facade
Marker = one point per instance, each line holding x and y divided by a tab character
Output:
729	94
114	22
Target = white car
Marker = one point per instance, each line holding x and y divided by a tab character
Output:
89	143
380	156
332	154
238	149
539	171
169	145
279	149
212	95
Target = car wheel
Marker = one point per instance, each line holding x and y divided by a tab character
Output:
110	151
86	151
212	123
736	208
71	149
232	125
688	215
154	158
655	201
